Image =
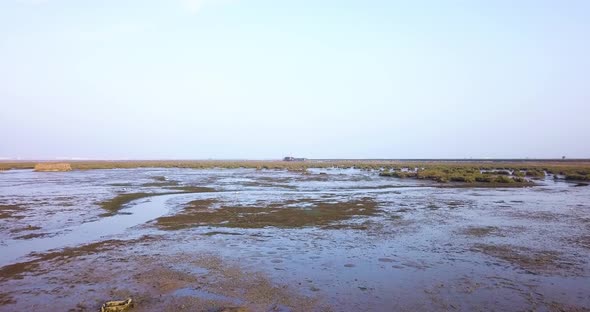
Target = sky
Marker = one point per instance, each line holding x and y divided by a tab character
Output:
263	79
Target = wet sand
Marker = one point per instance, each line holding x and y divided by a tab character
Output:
275	240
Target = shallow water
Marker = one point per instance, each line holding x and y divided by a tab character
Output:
139	212
426	247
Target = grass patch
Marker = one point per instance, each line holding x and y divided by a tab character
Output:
576	174
466	175
535	173
52	167
398	174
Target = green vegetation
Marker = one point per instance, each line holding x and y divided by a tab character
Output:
471	175
574	174
535	173
503	179
398	174
518	173
469	178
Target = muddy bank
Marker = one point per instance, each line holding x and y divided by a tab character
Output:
196	282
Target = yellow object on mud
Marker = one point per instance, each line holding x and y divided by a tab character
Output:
117	306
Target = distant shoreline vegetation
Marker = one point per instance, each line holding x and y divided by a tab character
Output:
45	167
472	171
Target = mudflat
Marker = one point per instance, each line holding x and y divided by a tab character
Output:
331	238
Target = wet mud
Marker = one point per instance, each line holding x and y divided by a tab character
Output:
278	240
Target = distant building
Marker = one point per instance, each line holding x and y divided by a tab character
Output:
289	158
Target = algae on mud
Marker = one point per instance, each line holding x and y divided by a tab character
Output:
482	231
284	215
115	204
8	211
524	257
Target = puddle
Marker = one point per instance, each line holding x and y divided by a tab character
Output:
138	213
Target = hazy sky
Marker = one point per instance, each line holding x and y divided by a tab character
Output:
319	79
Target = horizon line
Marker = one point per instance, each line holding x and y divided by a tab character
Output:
281	159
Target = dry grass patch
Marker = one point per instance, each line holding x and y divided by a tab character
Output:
53	167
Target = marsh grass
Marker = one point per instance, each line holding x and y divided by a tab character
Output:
398	174
466	175
16	165
52	167
535	173
436	170
518	173
576	174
